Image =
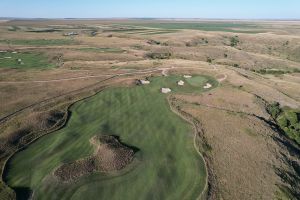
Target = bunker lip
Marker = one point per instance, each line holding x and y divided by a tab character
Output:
109	155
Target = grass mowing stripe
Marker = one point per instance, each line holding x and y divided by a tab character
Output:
166	167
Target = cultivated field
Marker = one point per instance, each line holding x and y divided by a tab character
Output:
76	123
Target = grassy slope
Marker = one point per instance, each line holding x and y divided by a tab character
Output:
29	59
166	167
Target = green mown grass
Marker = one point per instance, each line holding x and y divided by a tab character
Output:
30	60
198	80
102	50
40	42
166	167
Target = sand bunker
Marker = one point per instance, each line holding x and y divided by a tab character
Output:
110	155
207	86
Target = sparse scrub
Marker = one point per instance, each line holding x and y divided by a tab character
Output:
159	55
209	60
236	65
234	41
153	42
196	42
276	71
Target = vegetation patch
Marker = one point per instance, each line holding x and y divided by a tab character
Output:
25	60
44	30
40	42
110	155
234	41
276	71
196	42
159	55
288	120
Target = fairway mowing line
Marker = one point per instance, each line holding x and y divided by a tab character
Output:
174	110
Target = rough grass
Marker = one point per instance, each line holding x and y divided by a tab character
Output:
40	42
29	60
102	50
166	167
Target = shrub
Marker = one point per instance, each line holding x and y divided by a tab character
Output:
236	65
153	42
234	41
292	117
159	55
274	109
209	60
282	121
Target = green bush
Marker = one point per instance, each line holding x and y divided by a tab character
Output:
236	65
288	120
274	109
282	121
234	41
159	55
209	60
292	117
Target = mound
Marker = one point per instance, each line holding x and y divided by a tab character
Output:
110	155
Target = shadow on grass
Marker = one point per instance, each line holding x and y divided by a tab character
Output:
23	193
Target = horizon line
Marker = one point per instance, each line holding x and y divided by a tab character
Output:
147	18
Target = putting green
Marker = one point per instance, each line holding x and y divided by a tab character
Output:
198	81
167	166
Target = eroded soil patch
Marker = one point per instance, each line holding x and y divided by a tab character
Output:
110	155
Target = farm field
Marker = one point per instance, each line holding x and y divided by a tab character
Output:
149	109
205	26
